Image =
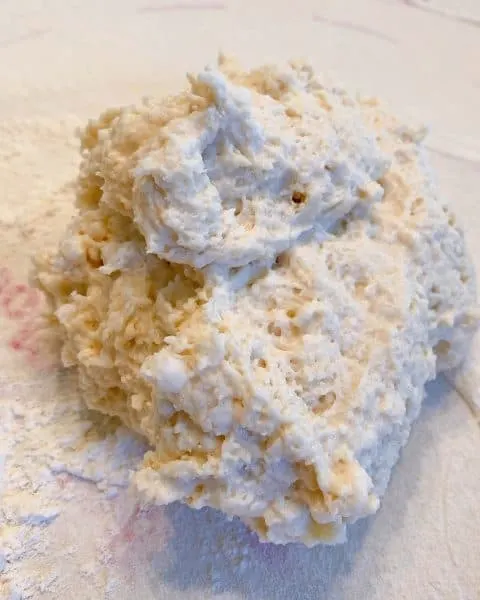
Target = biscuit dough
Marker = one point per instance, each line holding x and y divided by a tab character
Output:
260	280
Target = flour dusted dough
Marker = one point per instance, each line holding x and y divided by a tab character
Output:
260	280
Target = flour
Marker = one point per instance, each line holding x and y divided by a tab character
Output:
260	280
48	441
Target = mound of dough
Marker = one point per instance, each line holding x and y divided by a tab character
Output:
260	280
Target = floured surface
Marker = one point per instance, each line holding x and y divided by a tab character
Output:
428	532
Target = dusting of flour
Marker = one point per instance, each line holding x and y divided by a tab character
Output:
48	442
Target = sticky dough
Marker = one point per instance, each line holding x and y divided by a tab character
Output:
260	280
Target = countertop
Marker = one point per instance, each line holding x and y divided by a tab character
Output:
65	61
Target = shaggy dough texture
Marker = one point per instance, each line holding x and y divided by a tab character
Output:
260	280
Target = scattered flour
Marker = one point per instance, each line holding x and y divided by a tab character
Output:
48	440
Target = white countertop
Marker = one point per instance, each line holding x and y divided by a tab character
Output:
64	61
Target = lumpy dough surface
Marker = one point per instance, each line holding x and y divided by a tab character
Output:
261	278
